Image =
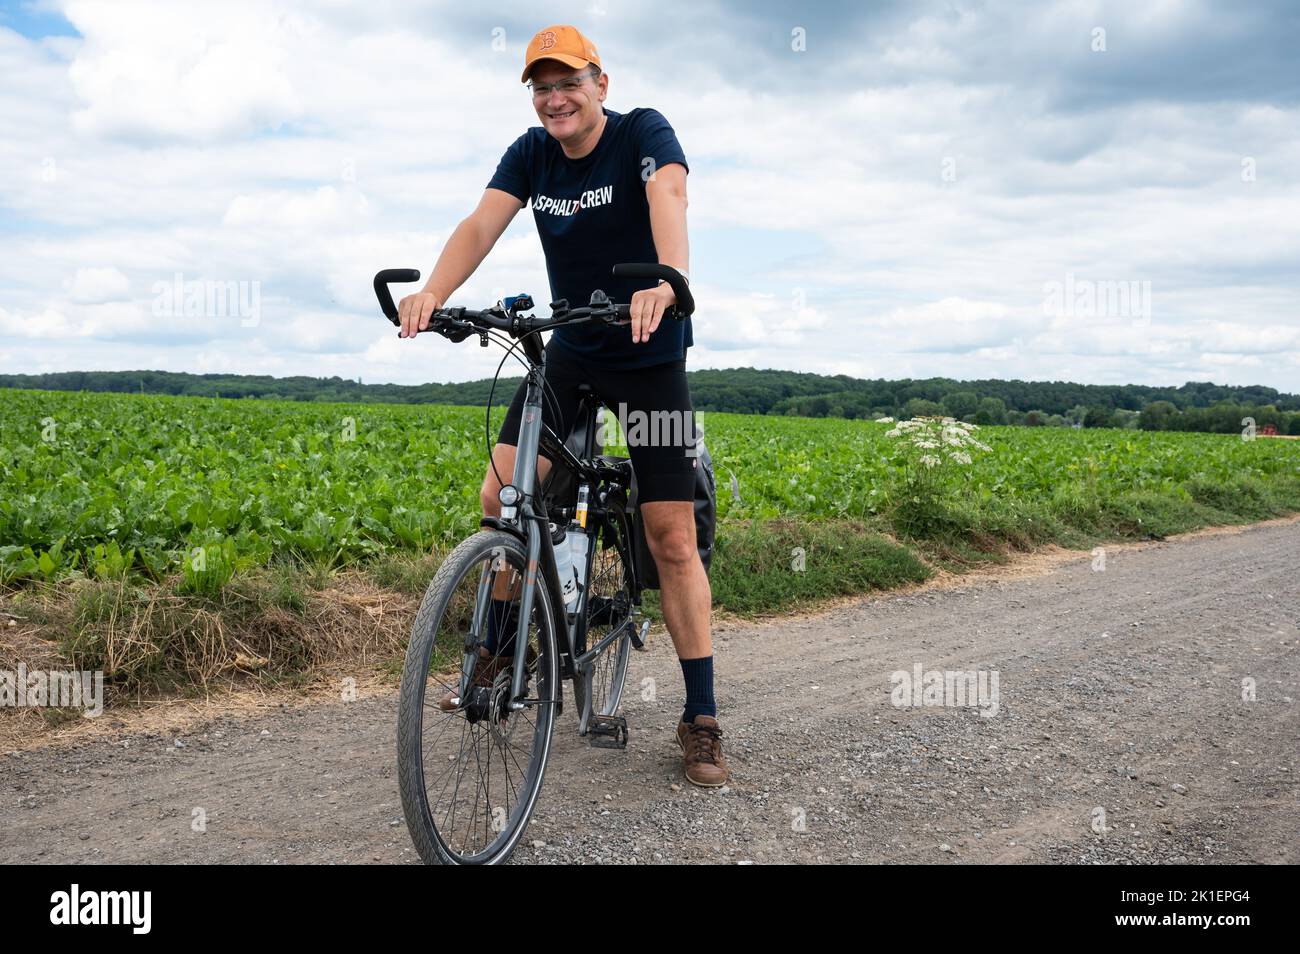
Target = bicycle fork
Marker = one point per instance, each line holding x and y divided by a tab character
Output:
537	556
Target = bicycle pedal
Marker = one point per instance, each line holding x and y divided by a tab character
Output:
638	635
607	732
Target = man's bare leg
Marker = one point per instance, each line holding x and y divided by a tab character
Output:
688	604
685	594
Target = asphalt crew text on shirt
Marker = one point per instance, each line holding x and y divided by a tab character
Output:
591	214
590	199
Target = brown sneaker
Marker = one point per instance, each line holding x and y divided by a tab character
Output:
701	745
485	673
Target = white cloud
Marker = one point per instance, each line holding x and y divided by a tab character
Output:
95	285
304	146
45	325
196	71
326	206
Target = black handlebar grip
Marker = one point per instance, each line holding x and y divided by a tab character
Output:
382	280
685	301
624	313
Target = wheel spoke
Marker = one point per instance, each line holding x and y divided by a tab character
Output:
609	602
505	756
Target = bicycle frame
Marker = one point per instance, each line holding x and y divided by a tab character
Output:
530	522
527	519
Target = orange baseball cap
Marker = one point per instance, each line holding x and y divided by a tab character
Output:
563	43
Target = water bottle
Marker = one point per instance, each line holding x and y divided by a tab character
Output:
578	547
564	565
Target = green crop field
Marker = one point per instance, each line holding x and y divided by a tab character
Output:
111	485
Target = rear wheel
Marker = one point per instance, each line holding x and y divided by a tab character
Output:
469	767
609	610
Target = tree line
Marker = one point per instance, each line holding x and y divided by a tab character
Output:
1194	406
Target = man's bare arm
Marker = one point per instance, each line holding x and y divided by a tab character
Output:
465	250
666	193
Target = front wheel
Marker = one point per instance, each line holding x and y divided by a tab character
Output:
470	767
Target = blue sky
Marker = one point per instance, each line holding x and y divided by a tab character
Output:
882	190
34	20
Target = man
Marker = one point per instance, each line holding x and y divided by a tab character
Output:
606	187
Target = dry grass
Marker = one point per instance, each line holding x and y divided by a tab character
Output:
268	626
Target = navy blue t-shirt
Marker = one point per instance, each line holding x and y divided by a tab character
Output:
592	214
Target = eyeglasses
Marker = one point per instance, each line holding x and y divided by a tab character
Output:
566	86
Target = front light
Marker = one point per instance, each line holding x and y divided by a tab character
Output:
509	495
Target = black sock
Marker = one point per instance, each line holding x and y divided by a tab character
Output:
698	674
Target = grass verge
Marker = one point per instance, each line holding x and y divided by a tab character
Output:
279	624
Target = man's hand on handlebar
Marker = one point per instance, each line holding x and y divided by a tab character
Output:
414	312
647	308
424	310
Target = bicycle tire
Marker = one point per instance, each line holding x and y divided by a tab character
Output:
435	845
610	667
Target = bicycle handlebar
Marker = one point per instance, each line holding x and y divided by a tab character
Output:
685	301
600	308
400	276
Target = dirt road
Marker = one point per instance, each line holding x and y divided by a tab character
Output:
1123	730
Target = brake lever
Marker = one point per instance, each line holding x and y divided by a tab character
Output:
451	327
671	311
455	331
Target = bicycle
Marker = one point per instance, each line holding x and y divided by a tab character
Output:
581	633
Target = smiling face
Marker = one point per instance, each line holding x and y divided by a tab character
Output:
569	117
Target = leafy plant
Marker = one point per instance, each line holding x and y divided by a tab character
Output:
148	478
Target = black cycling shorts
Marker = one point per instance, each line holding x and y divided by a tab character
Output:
661	448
